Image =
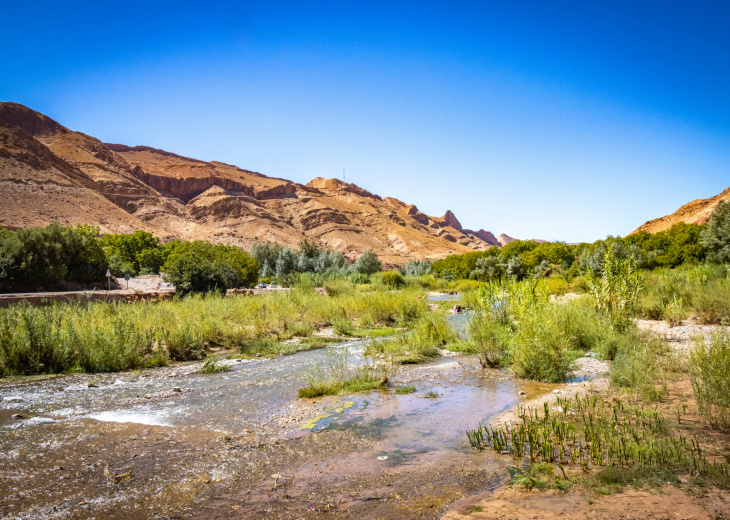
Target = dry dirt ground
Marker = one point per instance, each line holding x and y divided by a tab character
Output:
582	502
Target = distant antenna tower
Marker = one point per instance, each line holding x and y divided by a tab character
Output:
343	175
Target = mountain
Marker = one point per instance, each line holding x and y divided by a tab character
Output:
49	173
695	212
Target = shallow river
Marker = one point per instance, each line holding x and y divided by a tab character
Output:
171	443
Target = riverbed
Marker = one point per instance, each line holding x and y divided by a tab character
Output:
172	443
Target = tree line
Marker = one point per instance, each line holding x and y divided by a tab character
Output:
682	244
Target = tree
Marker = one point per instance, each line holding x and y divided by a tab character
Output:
415	268
133	253
201	267
716	234
488	268
368	263
43	257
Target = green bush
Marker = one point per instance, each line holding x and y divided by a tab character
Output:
716	234
368	263
421	344
390	279
195	267
45	257
636	365
135	253
540	351
491	341
709	366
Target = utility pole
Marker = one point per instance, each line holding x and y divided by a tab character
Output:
344	179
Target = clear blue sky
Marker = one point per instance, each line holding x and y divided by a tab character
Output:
555	120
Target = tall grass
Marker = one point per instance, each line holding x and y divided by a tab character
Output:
701	291
337	376
519	325
102	337
709	369
420	344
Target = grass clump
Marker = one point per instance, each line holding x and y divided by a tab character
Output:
430	394
416	346
709	368
405	389
211	366
336	376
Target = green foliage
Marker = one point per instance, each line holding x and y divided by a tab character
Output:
203	267
617	289
98	336
491	341
368	263
391	279
136	253
45	257
716	235
415	268
336	376
460	266
211	366
405	389
636	365
702	291
421	344
627	444
709	368
539	350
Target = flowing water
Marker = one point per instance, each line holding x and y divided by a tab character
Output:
172	443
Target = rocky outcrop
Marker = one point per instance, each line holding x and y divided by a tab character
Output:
505	239
35	123
696	212
486	236
449	219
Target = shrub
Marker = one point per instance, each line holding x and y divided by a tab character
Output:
420	345
616	291
539	351
709	366
44	257
415	268
138	252
203	267
716	234
491	341
390	279
636	365
182	345
368	263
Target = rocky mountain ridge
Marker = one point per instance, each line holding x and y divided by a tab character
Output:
49	173
695	212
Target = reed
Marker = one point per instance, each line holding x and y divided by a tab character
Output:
587	432
113	336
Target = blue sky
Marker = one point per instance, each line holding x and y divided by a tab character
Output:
554	120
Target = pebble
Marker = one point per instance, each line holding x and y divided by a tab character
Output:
177	389
523	393
556	391
18	416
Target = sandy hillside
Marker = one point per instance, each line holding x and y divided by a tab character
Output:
49	173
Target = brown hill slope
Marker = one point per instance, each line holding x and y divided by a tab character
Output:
49	173
695	212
